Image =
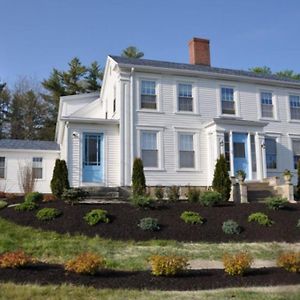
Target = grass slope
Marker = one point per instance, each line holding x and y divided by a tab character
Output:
126	255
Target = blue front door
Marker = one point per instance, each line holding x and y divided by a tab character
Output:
240	152
92	157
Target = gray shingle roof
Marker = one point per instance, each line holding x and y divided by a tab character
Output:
28	145
200	68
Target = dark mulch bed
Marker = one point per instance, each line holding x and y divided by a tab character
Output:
191	280
125	219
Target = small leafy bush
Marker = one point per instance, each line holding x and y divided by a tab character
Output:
159	193
173	193
167	265
231	227
210	198
237	264
260	218
191	217
33	197
3	204
142	201
193	195
95	216
26	206
16	259
49	198
48	214
73	196
85	263
276	202
290	261
149	224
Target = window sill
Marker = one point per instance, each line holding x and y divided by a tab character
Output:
149	111
294	121
154	170
187	113
230	116
192	170
269	119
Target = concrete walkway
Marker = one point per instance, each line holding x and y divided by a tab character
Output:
216	264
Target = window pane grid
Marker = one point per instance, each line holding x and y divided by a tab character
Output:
295	107
148	87
296	152
37	167
185	90
2	167
266	104
227	99
271	153
186	151
149	151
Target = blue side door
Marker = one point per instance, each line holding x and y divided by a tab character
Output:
92	157
240	153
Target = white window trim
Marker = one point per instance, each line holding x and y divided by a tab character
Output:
158	92
289	118
196	137
5	168
277	137
236	99
274	102
194	95
292	137
43	168
160	148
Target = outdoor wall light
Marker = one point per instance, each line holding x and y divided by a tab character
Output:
263	146
75	134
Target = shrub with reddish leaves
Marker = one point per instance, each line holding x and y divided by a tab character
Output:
290	261
49	198
16	259
85	263
237	264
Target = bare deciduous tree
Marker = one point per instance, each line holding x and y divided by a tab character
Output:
26	178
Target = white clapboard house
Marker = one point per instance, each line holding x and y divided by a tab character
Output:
177	117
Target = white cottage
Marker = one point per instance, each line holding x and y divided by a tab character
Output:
178	118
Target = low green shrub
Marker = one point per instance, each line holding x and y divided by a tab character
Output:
191	217
142	201
173	193
237	264
33	197
48	214
210	198
276	202
193	195
95	216
149	224
231	227
73	195
26	206
3	204
260	218
162	265
159	193
290	261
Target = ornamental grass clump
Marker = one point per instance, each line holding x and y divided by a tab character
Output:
14	260
159	193
210	198
149	224
231	227
237	264
193	195
48	214
173	193
191	217
290	261
276	202
162	265
85	263
260	218
73	195
141	201
95	216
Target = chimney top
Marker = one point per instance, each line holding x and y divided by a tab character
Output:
199	51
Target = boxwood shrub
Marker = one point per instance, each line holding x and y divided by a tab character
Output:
141	201
48	214
149	224
191	217
95	216
210	198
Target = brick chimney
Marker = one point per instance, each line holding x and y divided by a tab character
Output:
199	52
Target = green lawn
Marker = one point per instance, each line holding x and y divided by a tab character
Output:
126	255
63	292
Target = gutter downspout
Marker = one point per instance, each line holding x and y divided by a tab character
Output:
132	121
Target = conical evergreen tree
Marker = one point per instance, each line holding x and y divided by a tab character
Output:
64	174
138	178
59	180
221	182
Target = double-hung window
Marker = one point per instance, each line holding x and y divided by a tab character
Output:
227	101
296	152
266	101
271	153
295	107
148	94
2	167
185	97
37	167
186	150
149	149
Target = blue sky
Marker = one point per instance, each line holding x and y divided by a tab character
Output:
37	35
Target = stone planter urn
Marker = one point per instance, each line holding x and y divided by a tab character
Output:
287	176
241	176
